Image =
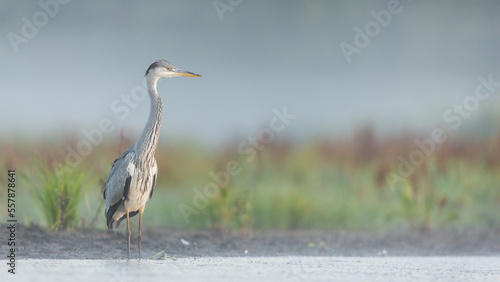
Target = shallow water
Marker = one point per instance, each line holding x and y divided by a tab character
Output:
261	269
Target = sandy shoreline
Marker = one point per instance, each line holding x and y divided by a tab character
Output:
37	243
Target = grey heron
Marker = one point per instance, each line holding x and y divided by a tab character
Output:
132	177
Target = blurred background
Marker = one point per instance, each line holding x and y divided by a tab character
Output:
363	80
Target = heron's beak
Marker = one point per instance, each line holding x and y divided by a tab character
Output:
186	73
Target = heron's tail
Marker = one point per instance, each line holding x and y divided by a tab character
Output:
110	212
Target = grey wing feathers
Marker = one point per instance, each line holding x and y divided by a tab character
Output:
119	176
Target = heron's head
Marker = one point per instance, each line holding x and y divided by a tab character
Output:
163	68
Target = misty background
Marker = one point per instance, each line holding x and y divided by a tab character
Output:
254	57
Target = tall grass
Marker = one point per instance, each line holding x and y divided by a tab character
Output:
58	193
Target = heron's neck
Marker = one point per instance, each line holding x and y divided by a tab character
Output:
147	143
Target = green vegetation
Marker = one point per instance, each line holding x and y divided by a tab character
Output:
322	185
58	191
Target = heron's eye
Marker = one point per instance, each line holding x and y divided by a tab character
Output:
168	68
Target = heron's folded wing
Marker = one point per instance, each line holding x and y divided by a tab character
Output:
121	170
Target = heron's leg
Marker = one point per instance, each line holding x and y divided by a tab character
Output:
139	236
128	234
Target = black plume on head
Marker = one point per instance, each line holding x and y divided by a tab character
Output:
159	63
